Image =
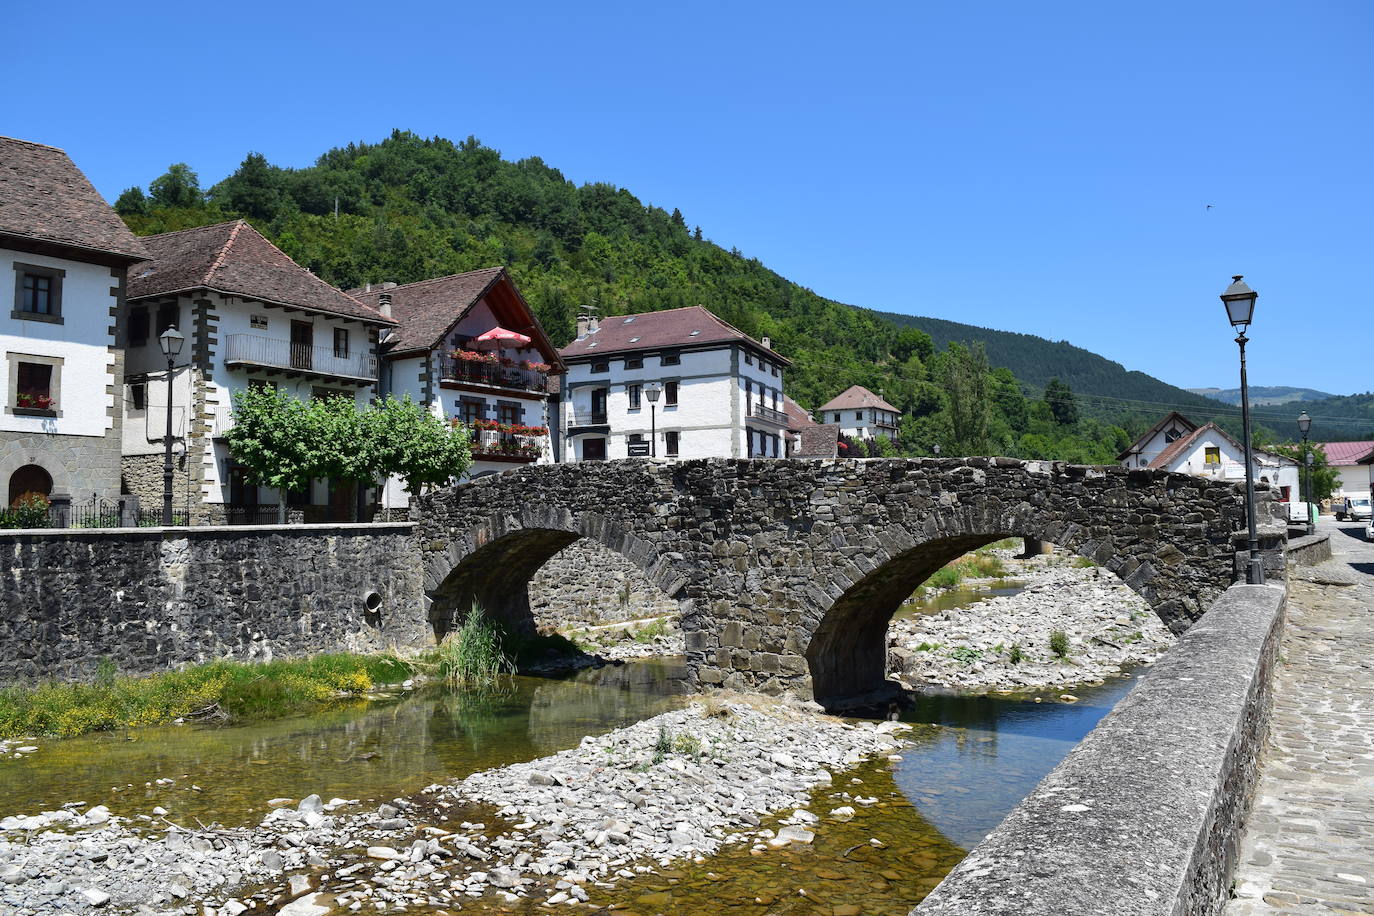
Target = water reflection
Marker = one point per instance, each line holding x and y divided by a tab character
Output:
958	597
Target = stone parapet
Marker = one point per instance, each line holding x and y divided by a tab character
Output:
1309	550
1143	817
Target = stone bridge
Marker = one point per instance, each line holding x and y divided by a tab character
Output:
787	572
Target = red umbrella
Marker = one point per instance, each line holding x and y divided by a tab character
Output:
501	335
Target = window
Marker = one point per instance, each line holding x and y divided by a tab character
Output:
773	367
258	322
33	388
670	444
859	415
138	395
632	391
670	394
634	362
1213	454
470	409
670	358
748	358
324	394
601	365
168	316
748	397
38	292
341	343
508	413
138	326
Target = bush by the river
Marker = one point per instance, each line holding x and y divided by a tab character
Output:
220	689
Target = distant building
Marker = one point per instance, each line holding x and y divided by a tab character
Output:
470	348
720	391
67	256
1178	444
251	316
861	414
1345	459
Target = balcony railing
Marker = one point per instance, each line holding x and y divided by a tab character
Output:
481	372
588	418
493	444
768	413
250	349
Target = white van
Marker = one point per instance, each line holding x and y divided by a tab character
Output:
1353	506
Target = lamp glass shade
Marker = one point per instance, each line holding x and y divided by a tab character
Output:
1304	423
170	341
1239	300
652	390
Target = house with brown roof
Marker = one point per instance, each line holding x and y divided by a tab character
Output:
1178	444
67	256
861	414
471	348
679	383
250	316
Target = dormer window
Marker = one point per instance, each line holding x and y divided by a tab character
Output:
1172	434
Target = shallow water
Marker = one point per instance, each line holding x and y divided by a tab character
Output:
972	759
957	597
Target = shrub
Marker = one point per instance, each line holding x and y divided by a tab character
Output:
1016	655
472	654
1059	643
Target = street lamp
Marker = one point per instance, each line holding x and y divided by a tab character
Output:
652	391
170	341
1304	427
1239	300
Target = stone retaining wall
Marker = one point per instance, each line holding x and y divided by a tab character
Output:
585	584
1310	549
1143	818
151	599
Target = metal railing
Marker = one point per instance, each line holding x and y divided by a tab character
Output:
96	512
493	443
768	413
483	373
588	418
283	354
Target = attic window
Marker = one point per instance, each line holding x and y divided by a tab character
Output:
592	344
694	334
629	319
634	340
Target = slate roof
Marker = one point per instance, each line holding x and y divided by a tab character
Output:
819	441
46	198
668	328
235	258
1345	454
855	397
426	309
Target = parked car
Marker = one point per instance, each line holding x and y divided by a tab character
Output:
1353	506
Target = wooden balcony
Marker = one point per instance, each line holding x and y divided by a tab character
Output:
274	356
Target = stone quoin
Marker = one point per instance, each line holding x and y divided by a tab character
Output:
788	572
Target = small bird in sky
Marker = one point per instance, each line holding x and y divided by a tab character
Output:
1209	206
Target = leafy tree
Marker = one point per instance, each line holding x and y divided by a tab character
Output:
403	438
133	202
965	379
1320	477
273	437
1059	397
256	190
179	186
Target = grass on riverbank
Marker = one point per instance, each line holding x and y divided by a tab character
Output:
982	563
235	690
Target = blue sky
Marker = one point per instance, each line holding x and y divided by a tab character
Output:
1039	167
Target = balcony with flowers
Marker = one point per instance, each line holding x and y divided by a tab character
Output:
476	367
35	404
496	441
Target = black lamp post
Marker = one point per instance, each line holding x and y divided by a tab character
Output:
652	391
1239	300
170	341
1304	427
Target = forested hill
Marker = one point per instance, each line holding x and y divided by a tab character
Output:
1036	360
410	208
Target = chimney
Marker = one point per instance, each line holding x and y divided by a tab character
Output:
384	304
586	324
389	284
767	343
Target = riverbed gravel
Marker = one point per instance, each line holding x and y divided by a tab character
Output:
1004	643
677	785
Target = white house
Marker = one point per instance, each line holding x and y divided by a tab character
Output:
250	315
1177	444
679	383
1344	458
61	363
861	414
470	348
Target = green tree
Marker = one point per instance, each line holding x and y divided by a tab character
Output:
1320	477
133	202
404	438
179	186
273	437
965	378
1059	396
255	190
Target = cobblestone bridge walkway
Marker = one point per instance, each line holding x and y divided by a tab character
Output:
1309	843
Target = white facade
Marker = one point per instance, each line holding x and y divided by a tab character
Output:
863	422
464	393
723	400
237	341
1211	454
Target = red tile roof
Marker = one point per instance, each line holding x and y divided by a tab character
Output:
235	258
1182	443
1345	454
426	309
798	417
689	326
44	197
1150	433
857	396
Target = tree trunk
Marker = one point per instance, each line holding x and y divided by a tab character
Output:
281	505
